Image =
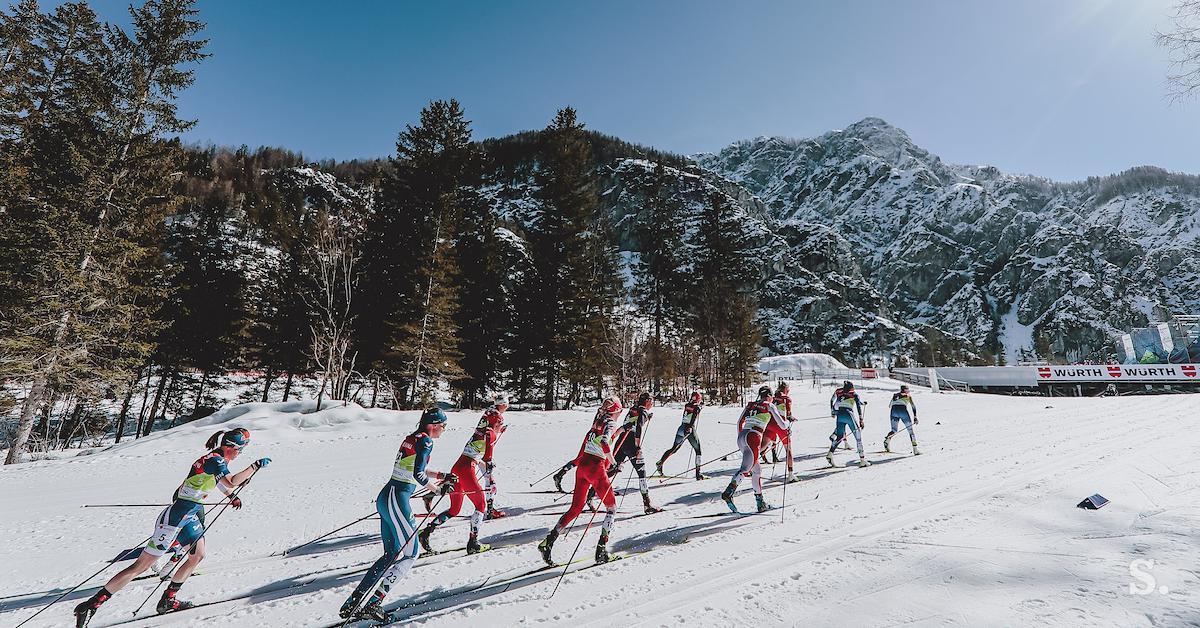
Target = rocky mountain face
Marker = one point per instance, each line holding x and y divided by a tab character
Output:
1009	264
874	249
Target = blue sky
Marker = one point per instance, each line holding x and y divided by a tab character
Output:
1064	89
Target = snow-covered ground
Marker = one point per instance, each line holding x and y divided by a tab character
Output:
981	530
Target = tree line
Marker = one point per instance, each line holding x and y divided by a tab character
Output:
135	271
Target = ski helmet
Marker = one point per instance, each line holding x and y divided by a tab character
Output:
848	385
433	416
764	392
492	418
697	396
236	438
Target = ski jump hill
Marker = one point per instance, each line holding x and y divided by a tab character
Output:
982	529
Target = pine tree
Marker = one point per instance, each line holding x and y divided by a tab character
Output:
563	307
482	315
410	299
99	183
660	277
724	314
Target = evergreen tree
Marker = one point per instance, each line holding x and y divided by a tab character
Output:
723	318
409	297
563	308
482	315
660	278
99	179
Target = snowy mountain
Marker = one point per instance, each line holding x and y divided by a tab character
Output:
1003	261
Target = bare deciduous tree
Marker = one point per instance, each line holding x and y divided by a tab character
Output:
332	256
1183	43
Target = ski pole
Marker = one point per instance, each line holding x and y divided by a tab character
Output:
545	476
73	589
679	475
323	536
135	505
414	539
578	545
170	574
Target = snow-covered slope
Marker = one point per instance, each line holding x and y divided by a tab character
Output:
981	530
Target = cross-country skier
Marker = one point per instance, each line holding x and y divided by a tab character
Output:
751	425
472	470
628	438
499	406
783	403
183	521
903	409
686	431
609	409
846	408
595	456
397	524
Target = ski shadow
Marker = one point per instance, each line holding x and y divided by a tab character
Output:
473	597
334	545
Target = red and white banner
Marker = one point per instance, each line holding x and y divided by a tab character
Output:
869	373
1120	373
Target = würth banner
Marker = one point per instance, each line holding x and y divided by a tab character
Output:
1120	373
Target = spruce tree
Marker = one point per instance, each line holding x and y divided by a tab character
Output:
660	277
100	183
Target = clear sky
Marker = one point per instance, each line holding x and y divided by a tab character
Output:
1062	88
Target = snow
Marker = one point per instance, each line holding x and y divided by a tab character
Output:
1015	337
982	530
796	362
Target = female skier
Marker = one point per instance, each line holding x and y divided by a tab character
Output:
595	456
473	470
183	521
396	519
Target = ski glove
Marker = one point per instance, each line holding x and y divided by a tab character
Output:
861	425
260	463
448	483
236	502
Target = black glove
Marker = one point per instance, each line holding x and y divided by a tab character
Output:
448	483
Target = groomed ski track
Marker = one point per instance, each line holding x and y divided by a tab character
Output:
981	529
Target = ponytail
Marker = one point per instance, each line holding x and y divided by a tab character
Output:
214	440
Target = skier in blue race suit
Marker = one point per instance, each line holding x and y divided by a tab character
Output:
846	407
398	526
182	523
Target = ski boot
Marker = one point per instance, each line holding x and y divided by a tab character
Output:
791	477
428	499
829	459
727	497
602	551
350	605
761	504
373	610
846	444
916	452
169	604
423	537
558	478
84	610
475	547
650	508
547	546
658	469
863	462
492	513
701	476
887	442
775	456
